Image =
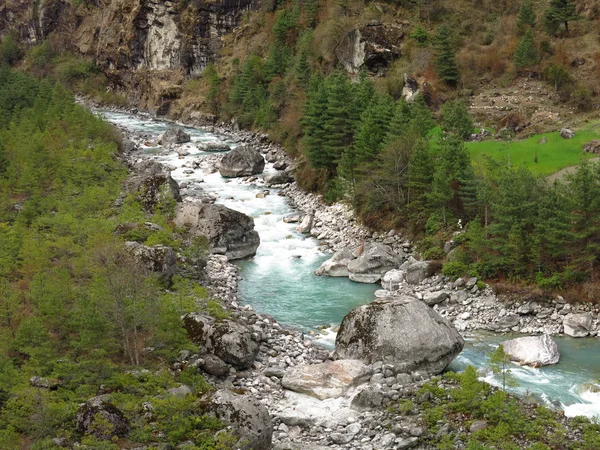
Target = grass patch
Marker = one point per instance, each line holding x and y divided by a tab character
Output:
554	155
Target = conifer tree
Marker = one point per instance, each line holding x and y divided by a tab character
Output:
526	18
526	55
419	180
560	12
439	197
457	119
421	121
313	123
303	69
312	10
400	121
445	57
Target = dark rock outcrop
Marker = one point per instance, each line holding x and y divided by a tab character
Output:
158	258
401	331
249	419
151	181
101	419
242	162
231	341
229	232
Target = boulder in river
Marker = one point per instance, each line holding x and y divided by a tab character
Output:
337	265
248	418
375	260
578	324
174	136
214	147
307	223
533	351
242	162
330	379
150	182
232	342
229	232
401	331
282	177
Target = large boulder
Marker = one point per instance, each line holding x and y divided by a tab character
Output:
214	147
566	133
242	162
229	232
159	258
249	419
392	280
101	419
401	331
233	342
330	379
411	88
174	136
373	263
337	265
416	271
533	351
578	324
151	182
282	177
307	222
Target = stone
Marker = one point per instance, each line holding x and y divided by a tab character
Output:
393	279
369	398
228	232
280	165
274	372
417	272
407	443
373	263
410	89
214	147
566	133
433	298
213	365
292	218
243	161
307	223
181	391
478	425
592	147
341	438
401	331
233	342
101	419
508	321
150	183
282	177
330	379
174	136
337	265
578	324
533	351
158	258
249	419
44	383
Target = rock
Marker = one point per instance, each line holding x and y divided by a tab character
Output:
292	218
213	365
330	379
592	147
533	351
337	265
373	263
242	162
370	397
566	133
433	298
158	258
181	391
44	383
508	321
407	443
274	372
174	136
280	165
393	279
543	141
214	147
279	178
417	272
578	325
307	223
401	331
228	232
101	419
249	419
231	341
478	425
150	183
341	438
410	89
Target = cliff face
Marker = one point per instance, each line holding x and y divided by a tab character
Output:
144	46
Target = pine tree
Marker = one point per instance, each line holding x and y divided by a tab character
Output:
526	18
303	69
400	121
445	57
526	55
457	119
313	123
373	128
312	11
420	177
560	12
438	199
421	121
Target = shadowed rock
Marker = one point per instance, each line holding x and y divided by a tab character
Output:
242	162
174	136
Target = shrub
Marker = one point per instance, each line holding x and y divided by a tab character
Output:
454	269
10	51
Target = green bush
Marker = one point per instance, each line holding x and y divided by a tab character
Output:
10	51
454	270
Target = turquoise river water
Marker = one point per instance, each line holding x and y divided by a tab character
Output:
279	281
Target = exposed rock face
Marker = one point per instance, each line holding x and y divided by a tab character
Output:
337	265
373	46
101	419
533	351
174	136
401	331
578	325
229	232
327	380
242	162
373	263
410	89
151	182
159	258
249	419
231	341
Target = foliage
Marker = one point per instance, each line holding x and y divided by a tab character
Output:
560	13
526	18
558	76
445	56
457	119
500	364
526	55
10	50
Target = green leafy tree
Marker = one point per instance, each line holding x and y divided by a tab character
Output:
211	77
457	119
10	51
420	36
526	54
526	18
558	76
445	56
419	181
500	365
560	13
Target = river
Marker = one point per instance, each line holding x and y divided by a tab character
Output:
279	281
